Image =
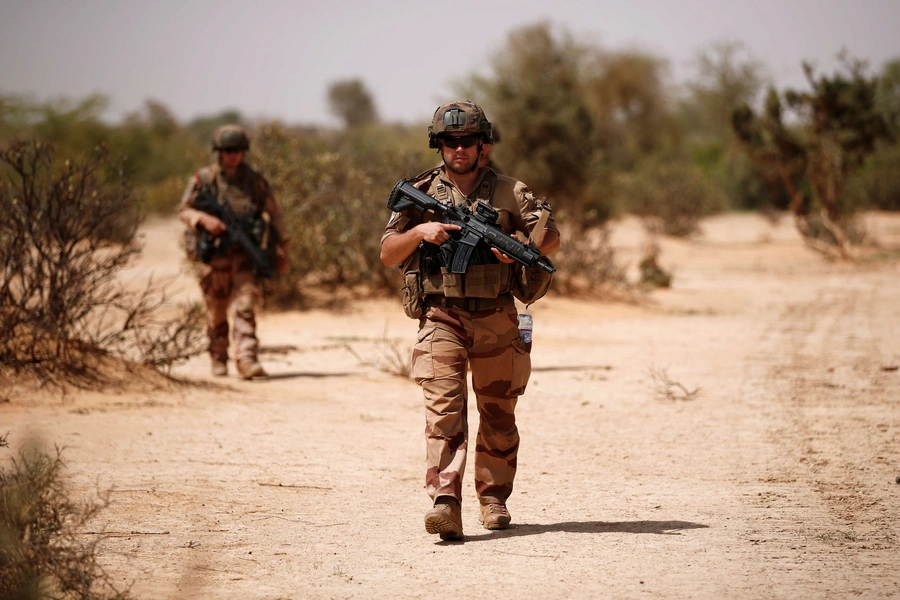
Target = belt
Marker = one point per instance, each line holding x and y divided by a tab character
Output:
470	304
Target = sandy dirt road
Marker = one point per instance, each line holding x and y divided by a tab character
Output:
776	479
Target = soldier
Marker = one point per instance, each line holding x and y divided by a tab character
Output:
228	281
488	150
466	321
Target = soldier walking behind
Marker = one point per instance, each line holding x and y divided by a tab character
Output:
466	321
227	278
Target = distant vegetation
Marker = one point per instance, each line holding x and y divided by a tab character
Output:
601	133
67	229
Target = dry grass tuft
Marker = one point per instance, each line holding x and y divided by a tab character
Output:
669	389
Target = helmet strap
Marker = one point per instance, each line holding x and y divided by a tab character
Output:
477	158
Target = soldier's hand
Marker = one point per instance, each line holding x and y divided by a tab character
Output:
502	257
436	232
213	225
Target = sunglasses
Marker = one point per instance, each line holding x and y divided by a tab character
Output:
231	150
466	141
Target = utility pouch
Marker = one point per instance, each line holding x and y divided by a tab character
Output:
413	296
485	281
530	284
260	231
453	284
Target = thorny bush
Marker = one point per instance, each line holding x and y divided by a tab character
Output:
334	197
66	232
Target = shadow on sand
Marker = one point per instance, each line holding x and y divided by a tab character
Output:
654	527
572	368
308	374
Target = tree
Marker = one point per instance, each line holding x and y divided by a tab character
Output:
839	125
536	92
627	95
727	77
350	101
888	94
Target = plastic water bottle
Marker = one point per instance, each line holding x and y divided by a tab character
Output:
526	323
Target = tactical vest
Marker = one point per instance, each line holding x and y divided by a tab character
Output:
485	276
245	201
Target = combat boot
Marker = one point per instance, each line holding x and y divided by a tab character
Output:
250	369
219	368
445	519
493	513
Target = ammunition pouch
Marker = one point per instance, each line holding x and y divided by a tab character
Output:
485	277
530	284
202	247
413	297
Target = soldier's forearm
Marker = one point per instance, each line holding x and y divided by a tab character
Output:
397	247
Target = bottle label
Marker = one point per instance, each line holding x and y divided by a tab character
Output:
526	324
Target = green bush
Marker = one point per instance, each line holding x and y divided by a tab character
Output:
334	195
671	197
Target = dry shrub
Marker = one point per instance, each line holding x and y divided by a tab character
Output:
586	262
670	199
43	551
831	238
390	358
653	275
334	195
66	231
668	388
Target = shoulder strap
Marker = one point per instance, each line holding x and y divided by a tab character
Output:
441	192
486	189
426	175
424	181
542	221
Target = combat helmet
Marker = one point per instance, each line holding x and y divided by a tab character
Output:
230	137
463	116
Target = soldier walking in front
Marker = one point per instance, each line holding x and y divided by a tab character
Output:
466	321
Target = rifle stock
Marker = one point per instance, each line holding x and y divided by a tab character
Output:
475	227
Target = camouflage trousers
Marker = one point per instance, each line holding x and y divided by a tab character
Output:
451	341
228	282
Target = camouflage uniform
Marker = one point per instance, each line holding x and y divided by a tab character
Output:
228	279
477	330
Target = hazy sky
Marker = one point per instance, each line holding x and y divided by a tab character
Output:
276	58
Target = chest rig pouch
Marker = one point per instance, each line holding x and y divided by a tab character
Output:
485	276
244	203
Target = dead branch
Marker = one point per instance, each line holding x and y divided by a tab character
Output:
670	389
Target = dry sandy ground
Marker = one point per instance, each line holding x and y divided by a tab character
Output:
775	479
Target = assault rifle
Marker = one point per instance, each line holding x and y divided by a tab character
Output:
474	227
261	260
